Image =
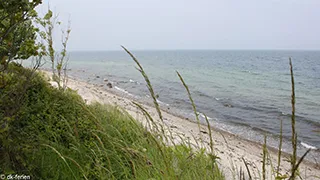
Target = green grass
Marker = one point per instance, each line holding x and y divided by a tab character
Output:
53	134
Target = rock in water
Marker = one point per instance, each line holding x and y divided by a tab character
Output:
228	105
109	85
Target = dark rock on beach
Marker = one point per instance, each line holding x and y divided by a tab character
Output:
204	132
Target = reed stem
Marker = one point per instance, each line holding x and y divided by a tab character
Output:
293	125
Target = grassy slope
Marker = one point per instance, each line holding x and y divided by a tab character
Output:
52	134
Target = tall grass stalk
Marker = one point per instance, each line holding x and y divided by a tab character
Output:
269	160
164	151
157	107
141	70
155	102
280	149
77	164
148	116
153	95
212	155
60	155
248	170
193	105
293	125
299	162
210	134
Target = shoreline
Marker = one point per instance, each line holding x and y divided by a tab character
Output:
229	147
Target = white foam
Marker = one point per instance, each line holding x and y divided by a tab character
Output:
133	81
203	116
160	102
122	90
308	146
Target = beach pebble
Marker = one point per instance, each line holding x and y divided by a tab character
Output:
105	80
97	76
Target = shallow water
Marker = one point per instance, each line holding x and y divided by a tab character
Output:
244	92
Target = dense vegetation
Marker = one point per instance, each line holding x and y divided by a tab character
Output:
52	134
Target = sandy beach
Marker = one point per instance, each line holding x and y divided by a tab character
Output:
230	148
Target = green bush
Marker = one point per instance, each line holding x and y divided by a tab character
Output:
32	113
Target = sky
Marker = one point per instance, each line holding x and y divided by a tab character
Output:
101	25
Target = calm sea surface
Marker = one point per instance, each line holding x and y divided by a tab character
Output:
243	92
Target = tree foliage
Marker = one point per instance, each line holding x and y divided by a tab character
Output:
17	32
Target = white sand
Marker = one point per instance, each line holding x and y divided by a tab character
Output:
229	148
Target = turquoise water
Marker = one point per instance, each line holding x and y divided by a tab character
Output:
243	92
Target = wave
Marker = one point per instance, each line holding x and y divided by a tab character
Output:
133	81
308	146
203	115
201	94
123	91
160	102
250	72
301	119
278	113
128	81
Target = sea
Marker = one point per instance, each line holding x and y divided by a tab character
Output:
244	92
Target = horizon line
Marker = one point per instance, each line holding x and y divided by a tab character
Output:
196	50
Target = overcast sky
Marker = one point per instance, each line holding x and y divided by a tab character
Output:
190	24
